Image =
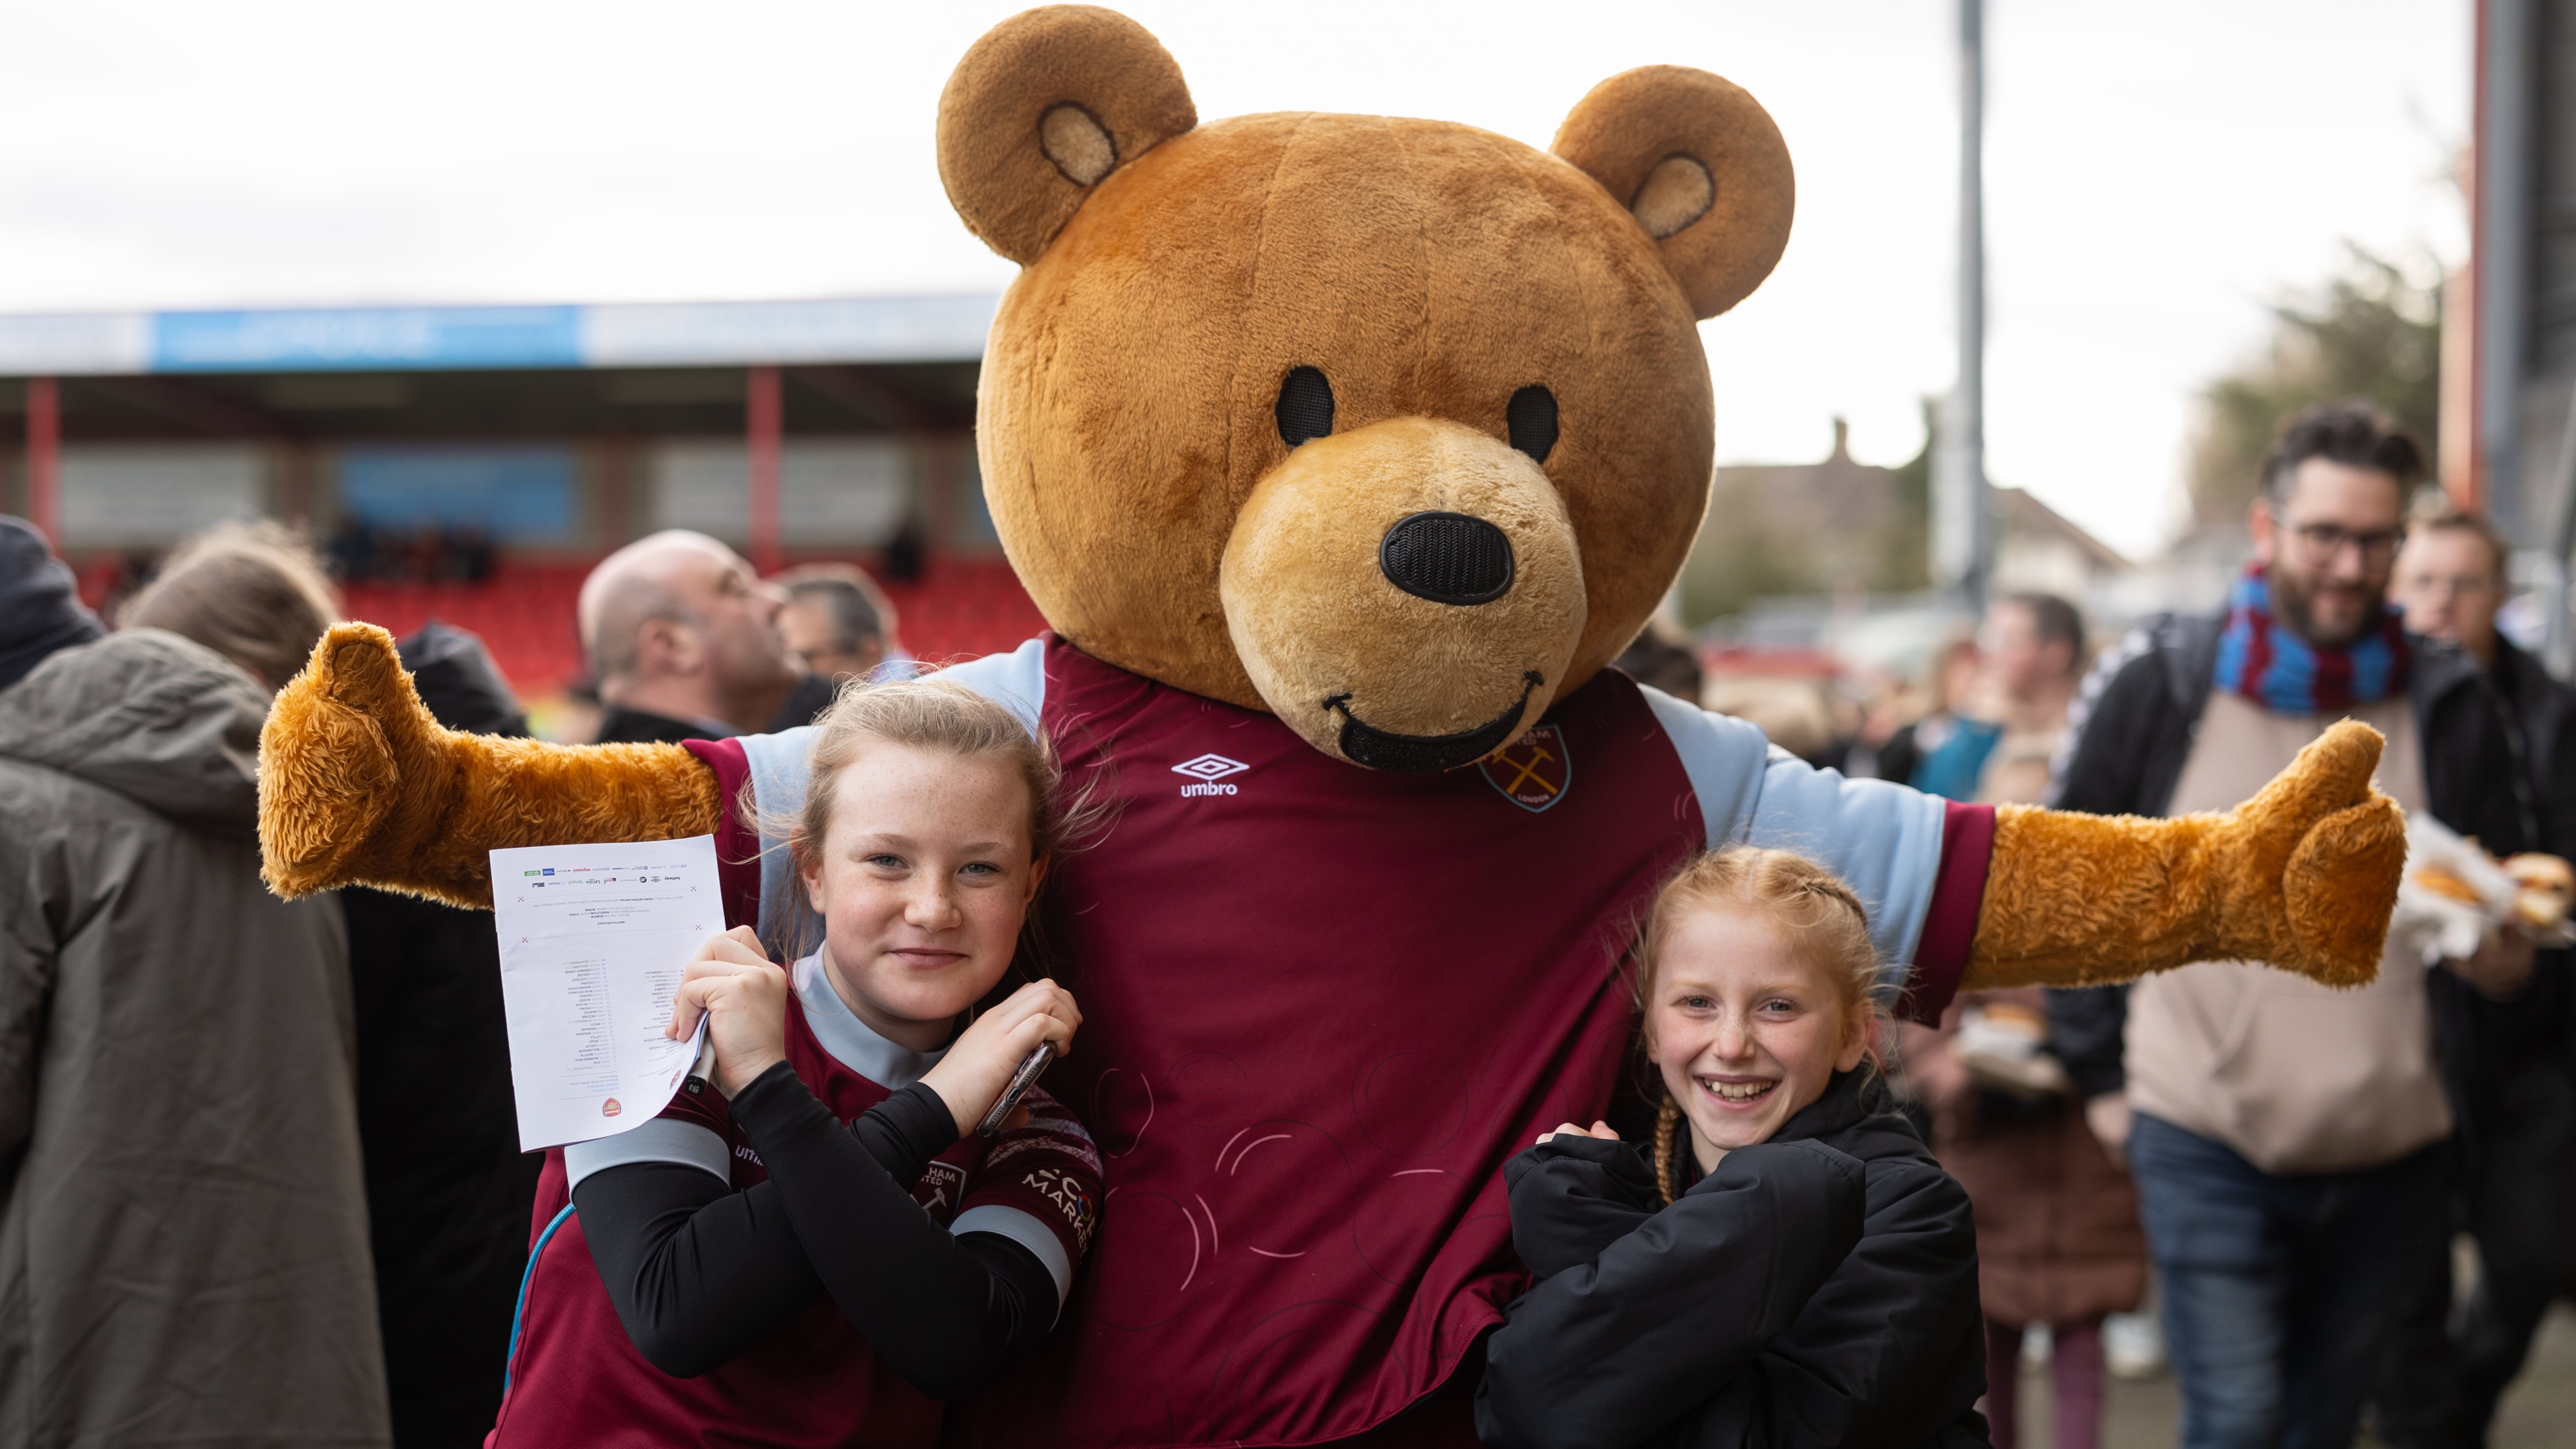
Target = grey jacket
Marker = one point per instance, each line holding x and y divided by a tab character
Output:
183	1227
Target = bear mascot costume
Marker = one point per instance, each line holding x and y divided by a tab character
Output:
1342	454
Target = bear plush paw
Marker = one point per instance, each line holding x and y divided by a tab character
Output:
2302	877
359	785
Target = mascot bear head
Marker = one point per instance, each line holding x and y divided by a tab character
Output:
1404	530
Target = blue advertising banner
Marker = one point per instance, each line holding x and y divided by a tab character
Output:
369	338
405	339
514	495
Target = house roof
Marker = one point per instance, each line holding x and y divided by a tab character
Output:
2025	514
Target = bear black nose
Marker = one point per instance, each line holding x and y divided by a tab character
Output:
1448	558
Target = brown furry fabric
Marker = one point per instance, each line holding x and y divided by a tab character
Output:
2303	876
358	785
1304	606
1639	122
1127	408
993	132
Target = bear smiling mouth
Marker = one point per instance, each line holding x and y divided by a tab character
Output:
1378	749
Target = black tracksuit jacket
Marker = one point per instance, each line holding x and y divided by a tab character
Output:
448	1190
1817	1289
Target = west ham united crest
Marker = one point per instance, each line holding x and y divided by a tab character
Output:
1533	771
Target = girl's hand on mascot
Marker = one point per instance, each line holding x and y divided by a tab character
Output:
743	995
1568	1129
982	1061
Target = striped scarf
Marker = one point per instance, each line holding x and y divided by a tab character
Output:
2284	673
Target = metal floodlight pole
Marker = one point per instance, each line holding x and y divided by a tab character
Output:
1963	528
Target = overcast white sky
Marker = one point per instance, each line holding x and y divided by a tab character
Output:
2154	173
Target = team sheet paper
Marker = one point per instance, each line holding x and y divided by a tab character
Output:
594	939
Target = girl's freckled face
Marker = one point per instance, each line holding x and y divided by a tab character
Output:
1747	1030
922	885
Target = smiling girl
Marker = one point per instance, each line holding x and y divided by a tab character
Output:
817	1250
1787	1266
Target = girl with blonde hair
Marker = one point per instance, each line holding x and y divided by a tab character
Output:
821	1247
1785	1265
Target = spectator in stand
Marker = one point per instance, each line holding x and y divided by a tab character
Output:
180	1183
352	550
2287	1140
448	1192
469	554
40	607
2505	773
840	623
428	553
683	638
2057	1221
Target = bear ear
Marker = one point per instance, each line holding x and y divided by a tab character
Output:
1700	165
1042	109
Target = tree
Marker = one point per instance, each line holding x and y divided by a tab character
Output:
2372	333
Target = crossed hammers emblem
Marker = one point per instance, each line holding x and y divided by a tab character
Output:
1528	769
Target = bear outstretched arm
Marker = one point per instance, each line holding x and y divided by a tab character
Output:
358	785
2303	876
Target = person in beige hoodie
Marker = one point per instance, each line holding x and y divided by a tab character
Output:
2287	1140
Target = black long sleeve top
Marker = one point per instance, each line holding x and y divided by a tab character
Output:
699	1272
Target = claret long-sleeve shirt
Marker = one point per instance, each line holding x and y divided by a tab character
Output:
821	1261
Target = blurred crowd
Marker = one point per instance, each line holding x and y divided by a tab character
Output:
2280	1172
427	554
2231	1170
326	1085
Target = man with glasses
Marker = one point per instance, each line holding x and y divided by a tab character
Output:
2286	1139
2500	765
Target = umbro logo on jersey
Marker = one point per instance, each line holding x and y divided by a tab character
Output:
1207	770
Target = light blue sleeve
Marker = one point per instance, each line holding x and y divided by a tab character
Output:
1883	839
1016	679
780	763
788	926
1024	1229
662	1139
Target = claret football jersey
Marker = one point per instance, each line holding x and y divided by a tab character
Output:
575	1377
1323	1005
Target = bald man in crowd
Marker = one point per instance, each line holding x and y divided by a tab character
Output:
683	638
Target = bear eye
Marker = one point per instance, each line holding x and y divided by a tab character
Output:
1532	419
1306	406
